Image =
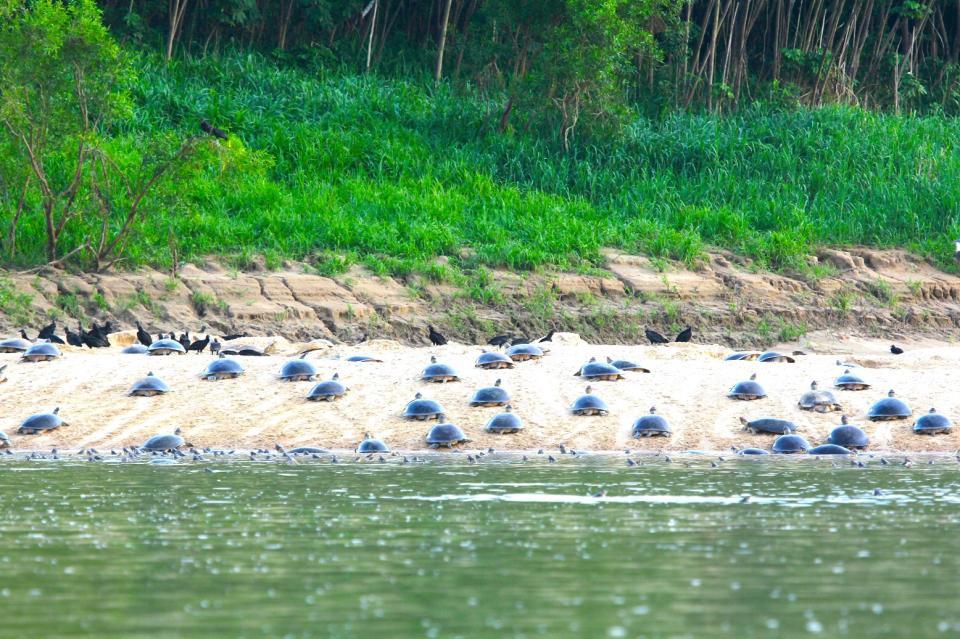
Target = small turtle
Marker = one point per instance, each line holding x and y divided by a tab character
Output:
445	435
651	425
752	451
135	349
505	422
422	409
848	436
599	371
768	425
42	352
439	373
821	401
163	443
523	352
328	391
41	422
790	445
298	370
742	356
932	423
306	450
829	449
166	346
491	396
14	345
364	359
493	360
627	365
589	404
148	387
222	368
4	440
889	408
774	356
245	350
747	390
371	445
850	381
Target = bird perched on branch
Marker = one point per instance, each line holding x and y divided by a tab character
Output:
209	129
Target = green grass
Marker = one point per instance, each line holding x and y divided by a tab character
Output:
16	306
342	169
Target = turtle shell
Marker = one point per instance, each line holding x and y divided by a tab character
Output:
222	368
505	422
149	386
595	370
769	425
747	390
523	352
651	425
14	345
363	358
370	445
848	436
243	350
166	346
492	359
790	444
850	381
774	356
4	440
327	391
745	356
306	450
445	435
44	351
298	370
163	442
627	365
829	449
422	409
752	451
932	423
135	349
41	422
491	396
437	372
821	401
889	408
589	404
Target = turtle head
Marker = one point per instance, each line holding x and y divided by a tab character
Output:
222	356
441	417
744	421
609	360
366	435
150	374
753	377
593	359
844	421
932	410
433	359
890	393
56	411
589	389
418	396
178	431
846	371
496	383
508	409
653	410
336	376
813	385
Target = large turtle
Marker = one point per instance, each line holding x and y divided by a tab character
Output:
627	365
821	401
850	381
768	426
163	443
222	368
41	352
505	422
491	396
747	390
651	425
148	386
422	409
493	360
599	371
932	423
14	345
439	373
523	352
829	449
774	356
135	349
589	404
445	435
298	370
848	436
328	391
889	408
371	445
166	346
41	422
790	445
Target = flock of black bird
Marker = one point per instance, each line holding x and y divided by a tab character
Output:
97	337
505	340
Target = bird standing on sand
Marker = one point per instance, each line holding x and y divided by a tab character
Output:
199	345
436	338
499	341
548	337
684	335
655	337
142	336
209	129
896	350
215	346
73	339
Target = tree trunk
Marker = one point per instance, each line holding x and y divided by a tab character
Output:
438	72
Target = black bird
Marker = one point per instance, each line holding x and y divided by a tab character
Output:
896	350
73	339
520	339
93	338
184	340
499	341
684	335
548	337
142	336
436	338
199	345
23	334
215	346
48	330
227	338
655	337
208	128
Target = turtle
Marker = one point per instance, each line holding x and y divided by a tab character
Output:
790	445
222	368
14	345
4	440
752	451
932	423
163	443
627	365
371	445
589	404
245	350
439	373
166	346
850	381
768	426
3	375
306	450
774	356
523	352
135	349
505	422
888	408
491	396
422	409
328	391
41	422
493	360
445	435
600	371
829	449
298	370
848	436
744	356
148	386
651	425
747	390
364	359
42	352
821	401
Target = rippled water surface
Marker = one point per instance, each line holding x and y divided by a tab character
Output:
488	550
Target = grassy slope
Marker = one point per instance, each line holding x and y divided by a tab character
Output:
392	173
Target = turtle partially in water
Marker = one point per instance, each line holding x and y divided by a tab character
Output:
14	345
505	422
790	445
493	360
42	352
439	373
747	390
589	404
222	368
774	356
627	365
328	391
933	423
149	386
651	425
599	371
41	422
768	426
298	370
163	443
889	408
166	346
829	449
422	409
524	352
491	396
445	435
752	451
821	401
849	436
850	381
371	445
